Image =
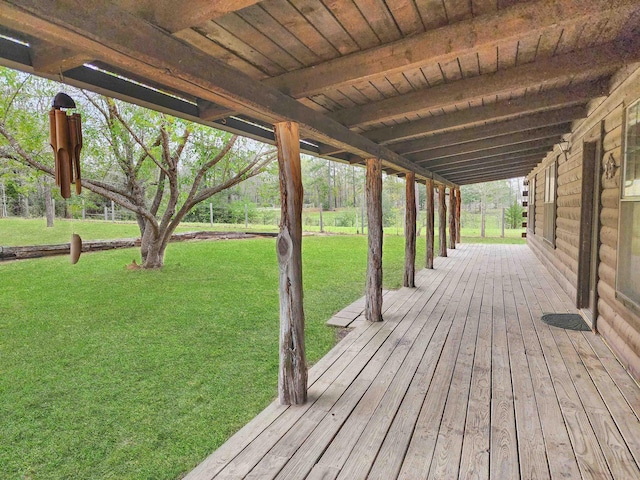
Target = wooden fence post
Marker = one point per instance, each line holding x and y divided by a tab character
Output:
442	220
452	218
373	303
292	378
430	223
410	232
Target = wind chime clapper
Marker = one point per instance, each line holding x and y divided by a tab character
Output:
65	133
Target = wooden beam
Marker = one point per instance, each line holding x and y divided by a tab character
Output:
430	223
496	174
373	302
52	59
292	378
410	232
209	111
445	44
458	211
549	100
134	45
591	62
442	220
173	16
452	218
505	153
533	121
479	166
501	160
488	144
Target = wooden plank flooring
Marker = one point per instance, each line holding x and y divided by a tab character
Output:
461	380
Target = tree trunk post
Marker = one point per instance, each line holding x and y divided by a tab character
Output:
113	211
410	232
373	302
3	209
292	378
452	218
442	220
430	223
502	234
211	214
458	210
321	223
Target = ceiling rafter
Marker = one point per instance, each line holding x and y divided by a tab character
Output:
533	121
594	62
502	110
446	43
493	152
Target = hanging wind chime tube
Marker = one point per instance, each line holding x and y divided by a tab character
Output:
65	132
65	136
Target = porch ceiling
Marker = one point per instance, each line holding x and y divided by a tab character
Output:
459	91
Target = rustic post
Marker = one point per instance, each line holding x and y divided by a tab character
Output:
452	218
430	223
292	378
373	303
458	203
410	232
442	220
211	214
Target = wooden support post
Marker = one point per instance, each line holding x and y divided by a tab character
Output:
292	378
452	218
458	203
373	303
442	220
430	223
410	232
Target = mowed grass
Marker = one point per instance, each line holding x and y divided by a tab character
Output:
20	231
108	373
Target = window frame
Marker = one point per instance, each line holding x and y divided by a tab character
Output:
625	199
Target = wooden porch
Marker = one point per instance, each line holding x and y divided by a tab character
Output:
462	379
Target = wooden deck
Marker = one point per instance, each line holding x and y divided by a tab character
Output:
461	380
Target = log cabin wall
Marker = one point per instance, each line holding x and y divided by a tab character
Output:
618	324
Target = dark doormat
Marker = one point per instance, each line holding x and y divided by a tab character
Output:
570	321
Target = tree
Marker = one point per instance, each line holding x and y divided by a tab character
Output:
514	215
157	166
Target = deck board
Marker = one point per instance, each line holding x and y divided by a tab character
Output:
461	380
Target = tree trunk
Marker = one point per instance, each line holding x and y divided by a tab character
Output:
482	219
48	203
292	378
442	220
410	232
373	302
329	190
452	218
430	223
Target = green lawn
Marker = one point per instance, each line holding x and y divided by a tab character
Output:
119	374
19	231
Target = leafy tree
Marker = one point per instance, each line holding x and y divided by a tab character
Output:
513	215
157	166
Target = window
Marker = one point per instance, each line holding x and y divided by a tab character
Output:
628	280
549	229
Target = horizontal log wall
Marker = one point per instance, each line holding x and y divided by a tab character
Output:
619	325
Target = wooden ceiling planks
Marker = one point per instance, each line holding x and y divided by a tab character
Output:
398	70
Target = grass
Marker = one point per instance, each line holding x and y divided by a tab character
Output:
109	373
20	231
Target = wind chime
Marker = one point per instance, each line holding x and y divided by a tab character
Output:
65	133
